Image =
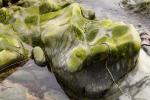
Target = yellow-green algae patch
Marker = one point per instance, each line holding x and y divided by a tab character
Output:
76	59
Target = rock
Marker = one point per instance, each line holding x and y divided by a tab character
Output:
39	56
5	16
145	37
54	5
12	49
88	13
84	53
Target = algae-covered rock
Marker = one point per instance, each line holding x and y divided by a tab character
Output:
53	5
88	13
5	16
26	24
12	48
24	16
39	56
83	52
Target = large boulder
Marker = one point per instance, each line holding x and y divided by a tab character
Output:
88	55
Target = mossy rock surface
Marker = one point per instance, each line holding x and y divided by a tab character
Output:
39	56
12	48
80	48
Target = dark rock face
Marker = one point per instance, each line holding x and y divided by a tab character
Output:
96	81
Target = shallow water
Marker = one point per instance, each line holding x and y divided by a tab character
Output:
31	82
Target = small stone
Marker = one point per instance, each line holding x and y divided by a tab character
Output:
38	56
88	13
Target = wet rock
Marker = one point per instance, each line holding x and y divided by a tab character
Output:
54	5
83	52
39	56
12	49
145	37
146	49
88	13
136	84
5	16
